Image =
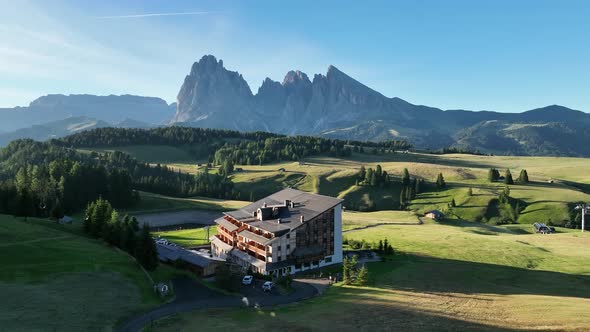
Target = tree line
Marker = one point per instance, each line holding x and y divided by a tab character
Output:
494	176
219	146
278	149
103	222
42	179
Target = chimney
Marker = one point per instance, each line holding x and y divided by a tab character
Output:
279	221
264	204
292	204
302	219
287	202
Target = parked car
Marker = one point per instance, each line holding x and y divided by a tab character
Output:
162	241
542	228
247	280
267	286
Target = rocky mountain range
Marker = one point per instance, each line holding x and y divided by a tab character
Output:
332	105
336	105
60	115
111	109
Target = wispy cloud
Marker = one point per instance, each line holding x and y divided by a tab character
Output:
154	15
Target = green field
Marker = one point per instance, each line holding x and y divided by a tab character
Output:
544	201
56	280
461	276
188	237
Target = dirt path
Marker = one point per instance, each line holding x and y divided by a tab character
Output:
191	295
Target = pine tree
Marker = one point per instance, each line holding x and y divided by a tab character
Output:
362	276
508	177
402	197
405	177
418	186
440	181
146	252
380	247
373	179
453	203
523	177
134	224
493	175
368	176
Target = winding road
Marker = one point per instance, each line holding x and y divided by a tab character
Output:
191	295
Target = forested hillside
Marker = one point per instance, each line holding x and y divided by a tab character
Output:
39	178
222	146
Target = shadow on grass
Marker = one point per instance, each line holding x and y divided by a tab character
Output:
416	273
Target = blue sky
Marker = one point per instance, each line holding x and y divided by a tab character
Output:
506	56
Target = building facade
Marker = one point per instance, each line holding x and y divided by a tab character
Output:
287	232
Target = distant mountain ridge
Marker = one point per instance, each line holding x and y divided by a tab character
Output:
336	105
112	109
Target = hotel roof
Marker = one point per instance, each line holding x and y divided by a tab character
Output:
306	205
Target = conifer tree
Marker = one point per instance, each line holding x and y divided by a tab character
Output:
523	177
146	252
405	177
508	177
440	181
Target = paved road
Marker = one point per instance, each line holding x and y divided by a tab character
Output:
191	295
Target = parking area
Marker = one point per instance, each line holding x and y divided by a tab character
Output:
255	289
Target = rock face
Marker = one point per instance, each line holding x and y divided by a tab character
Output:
211	94
336	105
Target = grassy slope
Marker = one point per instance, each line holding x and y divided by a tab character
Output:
462	276
334	177
152	203
61	281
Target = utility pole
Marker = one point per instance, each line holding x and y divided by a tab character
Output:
584	207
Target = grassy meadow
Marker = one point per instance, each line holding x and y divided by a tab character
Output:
62	281
555	182
457	276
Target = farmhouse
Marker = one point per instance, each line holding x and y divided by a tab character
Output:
434	214
287	232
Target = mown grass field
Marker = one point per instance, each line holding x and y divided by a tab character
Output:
453	277
188	237
59	281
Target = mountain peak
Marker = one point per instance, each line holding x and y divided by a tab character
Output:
207	63
295	76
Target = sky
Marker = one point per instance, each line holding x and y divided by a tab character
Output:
500	55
